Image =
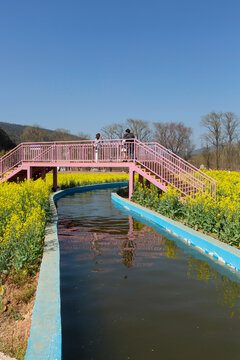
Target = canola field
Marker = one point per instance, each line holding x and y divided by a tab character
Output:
220	218
24	212
68	180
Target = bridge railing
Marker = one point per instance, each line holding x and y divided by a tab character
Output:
84	152
159	160
184	169
10	160
64	151
167	172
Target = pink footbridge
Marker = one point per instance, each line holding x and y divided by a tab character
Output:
151	161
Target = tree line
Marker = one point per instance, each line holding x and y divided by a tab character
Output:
220	142
11	135
36	134
174	136
5	142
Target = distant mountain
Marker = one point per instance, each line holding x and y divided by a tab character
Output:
195	152
14	131
5	142
20	133
198	151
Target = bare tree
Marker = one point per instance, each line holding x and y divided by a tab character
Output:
34	133
231	124
140	129
83	136
114	131
206	153
61	134
63	131
175	137
213	122
65	135
230	129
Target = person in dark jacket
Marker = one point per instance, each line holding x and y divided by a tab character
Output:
97	145
129	141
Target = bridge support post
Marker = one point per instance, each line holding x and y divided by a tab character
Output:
55	179
148	184
131	182
140	179
43	173
29	172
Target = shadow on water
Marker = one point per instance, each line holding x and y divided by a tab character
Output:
131	292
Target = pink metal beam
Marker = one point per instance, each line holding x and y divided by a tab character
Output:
131	180
29	172
55	179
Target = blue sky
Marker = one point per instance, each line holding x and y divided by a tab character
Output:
82	65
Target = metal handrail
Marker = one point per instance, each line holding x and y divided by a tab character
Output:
181	159
181	163
111	150
166	160
163	173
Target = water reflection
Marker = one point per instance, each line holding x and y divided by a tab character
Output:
127	291
227	290
138	242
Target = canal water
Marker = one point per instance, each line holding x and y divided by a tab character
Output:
128	292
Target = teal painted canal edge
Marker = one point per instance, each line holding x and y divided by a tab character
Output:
220	252
45	340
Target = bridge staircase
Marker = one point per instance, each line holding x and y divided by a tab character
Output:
152	161
169	180
165	169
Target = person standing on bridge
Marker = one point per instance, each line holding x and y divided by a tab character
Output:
97	145
129	140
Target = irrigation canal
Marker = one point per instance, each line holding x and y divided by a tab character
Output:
131	292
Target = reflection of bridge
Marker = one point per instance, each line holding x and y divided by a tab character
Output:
151	161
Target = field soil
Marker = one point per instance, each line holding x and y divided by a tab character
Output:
16	308
5	357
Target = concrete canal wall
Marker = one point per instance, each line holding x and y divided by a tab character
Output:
45	341
219	251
